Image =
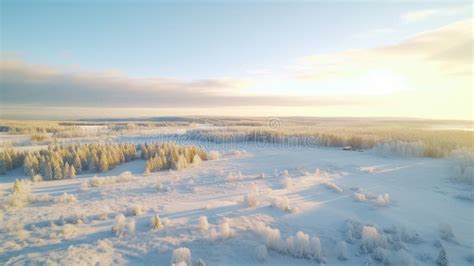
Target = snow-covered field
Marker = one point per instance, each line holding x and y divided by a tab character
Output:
268	204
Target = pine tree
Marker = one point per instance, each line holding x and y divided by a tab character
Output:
8	161
77	162
3	164
65	170
103	164
57	170
72	171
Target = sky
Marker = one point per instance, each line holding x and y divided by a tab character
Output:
72	59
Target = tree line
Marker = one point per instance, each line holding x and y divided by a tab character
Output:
65	161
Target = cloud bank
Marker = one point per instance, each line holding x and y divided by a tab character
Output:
419	73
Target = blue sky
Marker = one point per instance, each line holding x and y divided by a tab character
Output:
188	40
310	58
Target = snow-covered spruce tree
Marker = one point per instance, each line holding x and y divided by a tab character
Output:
156	222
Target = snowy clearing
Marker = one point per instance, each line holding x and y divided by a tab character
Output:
399	210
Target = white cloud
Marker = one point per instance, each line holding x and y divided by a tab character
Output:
420	15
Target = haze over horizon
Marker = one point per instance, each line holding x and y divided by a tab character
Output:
64	60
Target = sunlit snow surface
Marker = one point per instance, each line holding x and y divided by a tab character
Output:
422	199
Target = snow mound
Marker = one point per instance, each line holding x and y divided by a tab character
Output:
382	200
281	203
333	187
65	197
203	223
181	256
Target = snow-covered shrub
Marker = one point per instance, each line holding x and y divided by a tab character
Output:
261	175
371	238
382	200
287	182
155	222
360	197
214	155
399	148
65	197
284	173
353	231
341	250
119	226
261	253
251	199
37	178
281	203
225	231
462	164
302	246
380	254
181	256
271	236
333	187
446	232
69	231
442	259
22	196
203	223
136	210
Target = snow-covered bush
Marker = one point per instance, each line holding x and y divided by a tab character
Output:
69	231
136	210
203	223
182	256
462	164
65	197
214	155
382	200
123	226
155	222
271	236
251	199
380	254
284	173
261	253
442	259
225	231
333	187
84	185
281	203
261	175
371	238
37	178
446	232
287	182
341	250
22	196
302	246
360	197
